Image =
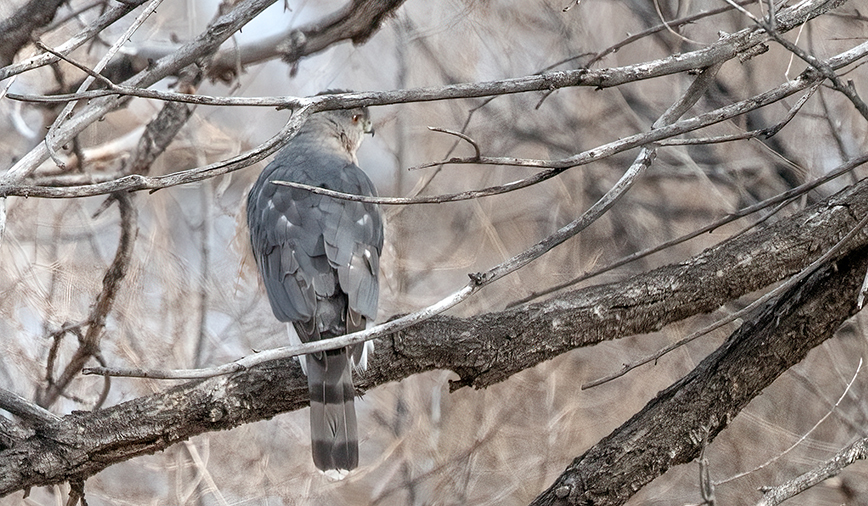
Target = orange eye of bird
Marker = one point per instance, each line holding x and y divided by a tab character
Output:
356	118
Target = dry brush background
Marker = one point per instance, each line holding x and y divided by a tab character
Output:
189	296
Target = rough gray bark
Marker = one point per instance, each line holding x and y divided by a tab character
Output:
491	347
671	428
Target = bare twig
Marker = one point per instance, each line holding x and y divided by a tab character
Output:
460	136
291	351
762	133
136	182
84	68
805	435
669	27
832	467
849	90
89	344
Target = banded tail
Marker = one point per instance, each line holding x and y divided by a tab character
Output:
333	431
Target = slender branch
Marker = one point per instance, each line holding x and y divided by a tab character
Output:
832	467
84	68
804	436
161	131
90	343
770	26
762	133
136	182
32	414
285	352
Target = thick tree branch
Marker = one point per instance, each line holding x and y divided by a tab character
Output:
482	350
670	429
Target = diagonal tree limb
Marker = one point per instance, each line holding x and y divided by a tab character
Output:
32	414
670	429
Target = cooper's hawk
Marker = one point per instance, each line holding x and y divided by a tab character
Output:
319	258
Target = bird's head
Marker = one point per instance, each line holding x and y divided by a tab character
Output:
349	124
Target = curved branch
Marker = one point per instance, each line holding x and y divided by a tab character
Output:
89	343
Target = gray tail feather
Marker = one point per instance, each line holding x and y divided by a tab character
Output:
333	432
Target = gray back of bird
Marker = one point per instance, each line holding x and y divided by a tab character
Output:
319	260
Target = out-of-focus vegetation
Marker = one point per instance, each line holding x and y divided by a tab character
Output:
191	297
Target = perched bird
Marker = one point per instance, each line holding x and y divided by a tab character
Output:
319	258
